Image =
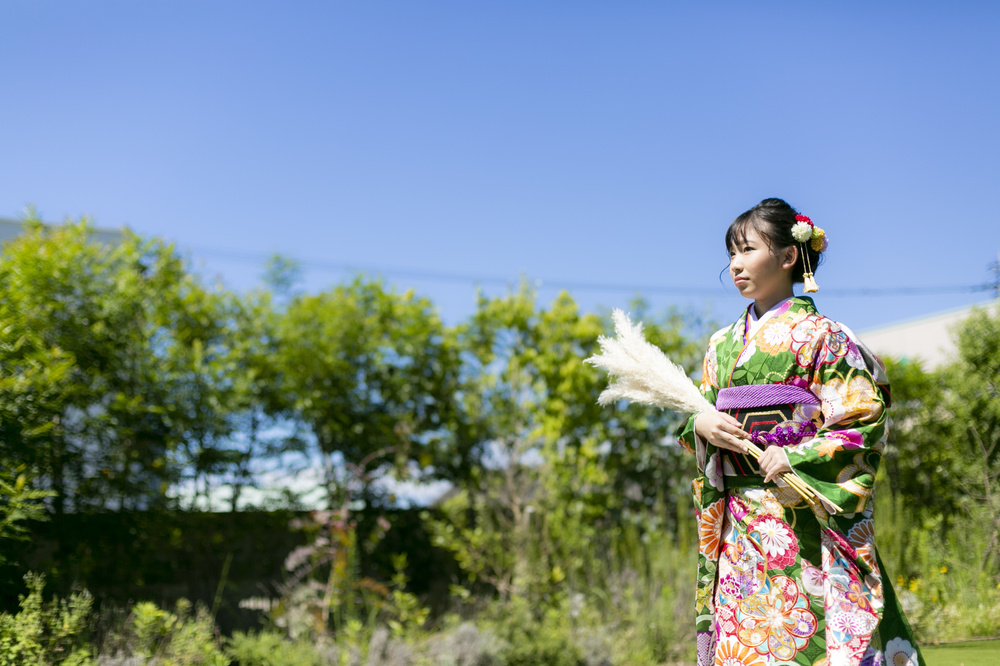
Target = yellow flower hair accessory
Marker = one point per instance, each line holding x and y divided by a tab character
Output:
818	242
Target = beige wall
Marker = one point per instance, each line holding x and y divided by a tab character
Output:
929	339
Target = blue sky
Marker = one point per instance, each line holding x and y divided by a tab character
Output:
573	143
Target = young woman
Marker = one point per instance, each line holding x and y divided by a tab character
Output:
782	580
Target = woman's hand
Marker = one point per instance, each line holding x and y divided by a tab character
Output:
773	463
721	430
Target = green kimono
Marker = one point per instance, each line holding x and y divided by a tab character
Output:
782	581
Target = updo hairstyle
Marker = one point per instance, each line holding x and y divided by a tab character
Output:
773	220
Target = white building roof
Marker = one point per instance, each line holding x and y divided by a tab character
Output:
930	339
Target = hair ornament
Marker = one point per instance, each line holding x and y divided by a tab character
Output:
804	231
819	242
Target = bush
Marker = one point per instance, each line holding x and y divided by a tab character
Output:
465	645
270	648
46	633
531	638
175	639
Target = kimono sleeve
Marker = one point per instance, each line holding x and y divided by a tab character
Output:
841	460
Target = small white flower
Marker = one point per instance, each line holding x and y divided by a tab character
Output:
899	652
802	231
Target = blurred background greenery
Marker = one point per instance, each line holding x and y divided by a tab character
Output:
193	475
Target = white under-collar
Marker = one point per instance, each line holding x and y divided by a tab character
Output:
754	322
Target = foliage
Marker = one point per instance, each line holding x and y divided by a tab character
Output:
938	523
94	314
271	648
326	591
126	383
532	640
462	644
559	471
19	504
373	374
976	405
46	633
175	638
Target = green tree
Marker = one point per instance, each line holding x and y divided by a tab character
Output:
262	424
560	473
85	304
942	462
975	402
374	374
109	350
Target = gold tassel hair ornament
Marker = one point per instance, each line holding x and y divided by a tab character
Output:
804	231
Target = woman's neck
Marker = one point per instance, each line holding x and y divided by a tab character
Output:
762	305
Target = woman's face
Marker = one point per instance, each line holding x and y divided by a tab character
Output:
757	271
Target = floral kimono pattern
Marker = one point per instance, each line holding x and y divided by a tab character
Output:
781	581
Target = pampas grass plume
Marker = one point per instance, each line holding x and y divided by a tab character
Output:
641	372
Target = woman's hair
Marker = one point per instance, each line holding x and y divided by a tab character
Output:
773	220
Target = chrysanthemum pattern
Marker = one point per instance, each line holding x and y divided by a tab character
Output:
779	623
777	539
710	529
862	537
733	653
772	338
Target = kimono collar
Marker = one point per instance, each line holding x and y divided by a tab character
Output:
749	323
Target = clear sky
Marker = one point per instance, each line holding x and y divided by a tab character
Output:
582	143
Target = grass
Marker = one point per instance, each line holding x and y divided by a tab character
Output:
984	653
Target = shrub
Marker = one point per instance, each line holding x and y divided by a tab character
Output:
46	633
531	638
270	648
175	639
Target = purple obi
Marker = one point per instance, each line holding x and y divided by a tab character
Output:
766	411
763	395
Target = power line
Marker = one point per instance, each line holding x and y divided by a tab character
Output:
574	285
995	267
